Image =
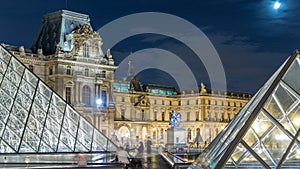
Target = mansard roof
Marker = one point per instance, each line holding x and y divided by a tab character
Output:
54	28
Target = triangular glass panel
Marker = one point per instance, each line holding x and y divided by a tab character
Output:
292	159
249	162
293	72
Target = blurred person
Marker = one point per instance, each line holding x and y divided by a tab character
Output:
123	157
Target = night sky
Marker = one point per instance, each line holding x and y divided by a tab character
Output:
251	37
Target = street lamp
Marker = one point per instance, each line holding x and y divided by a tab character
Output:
99	102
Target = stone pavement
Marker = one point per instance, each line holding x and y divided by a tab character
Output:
153	161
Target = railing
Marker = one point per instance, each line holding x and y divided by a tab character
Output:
174	161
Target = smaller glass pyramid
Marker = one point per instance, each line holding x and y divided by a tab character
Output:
34	119
265	133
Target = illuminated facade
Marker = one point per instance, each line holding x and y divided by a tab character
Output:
265	134
67	56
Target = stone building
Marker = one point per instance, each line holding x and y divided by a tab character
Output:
67	56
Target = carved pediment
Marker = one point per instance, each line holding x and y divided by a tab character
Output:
82	35
141	101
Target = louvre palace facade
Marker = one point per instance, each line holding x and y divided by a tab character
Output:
68	57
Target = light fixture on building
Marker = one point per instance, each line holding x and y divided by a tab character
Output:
99	102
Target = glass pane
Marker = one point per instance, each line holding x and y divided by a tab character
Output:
23	100
273	108
41	101
45	148
4	113
67	139
13	76
84	139
72	114
285	98
26	88
16	66
294	155
294	117
4	55
276	143
35	126
50	139
99	141
30	78
44	90
70	126
8	87
261	125
63	147
249	162
251	137
38	114
5	148
293	72
5	100
239	151
29	143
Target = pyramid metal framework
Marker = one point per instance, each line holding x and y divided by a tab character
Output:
265	133
34	119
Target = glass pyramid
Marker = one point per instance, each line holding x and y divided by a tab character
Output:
34	119
265	133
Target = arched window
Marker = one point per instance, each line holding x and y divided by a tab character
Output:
86	95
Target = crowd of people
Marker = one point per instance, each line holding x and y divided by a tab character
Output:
133	157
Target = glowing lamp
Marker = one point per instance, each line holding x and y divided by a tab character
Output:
98	101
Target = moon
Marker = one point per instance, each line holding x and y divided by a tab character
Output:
276	5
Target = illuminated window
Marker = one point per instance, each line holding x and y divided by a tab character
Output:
103	98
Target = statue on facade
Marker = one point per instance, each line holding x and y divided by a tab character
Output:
175	119
203	88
